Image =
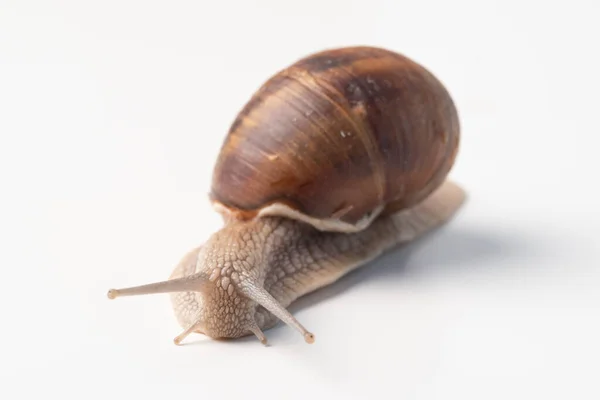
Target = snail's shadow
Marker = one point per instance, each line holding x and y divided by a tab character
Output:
447	251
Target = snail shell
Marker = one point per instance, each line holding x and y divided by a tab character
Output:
337	139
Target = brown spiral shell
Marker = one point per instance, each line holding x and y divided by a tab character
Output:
338	138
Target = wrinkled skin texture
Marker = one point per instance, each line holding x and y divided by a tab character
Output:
289	259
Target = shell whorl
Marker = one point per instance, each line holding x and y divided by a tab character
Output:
336	139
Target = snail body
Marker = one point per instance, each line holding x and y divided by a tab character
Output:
336	159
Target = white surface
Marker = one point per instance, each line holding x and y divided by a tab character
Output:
112	114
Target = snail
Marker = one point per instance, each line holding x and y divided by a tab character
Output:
336	159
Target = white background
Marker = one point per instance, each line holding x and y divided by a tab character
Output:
112	114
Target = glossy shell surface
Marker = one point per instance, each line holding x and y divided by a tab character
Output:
336	139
